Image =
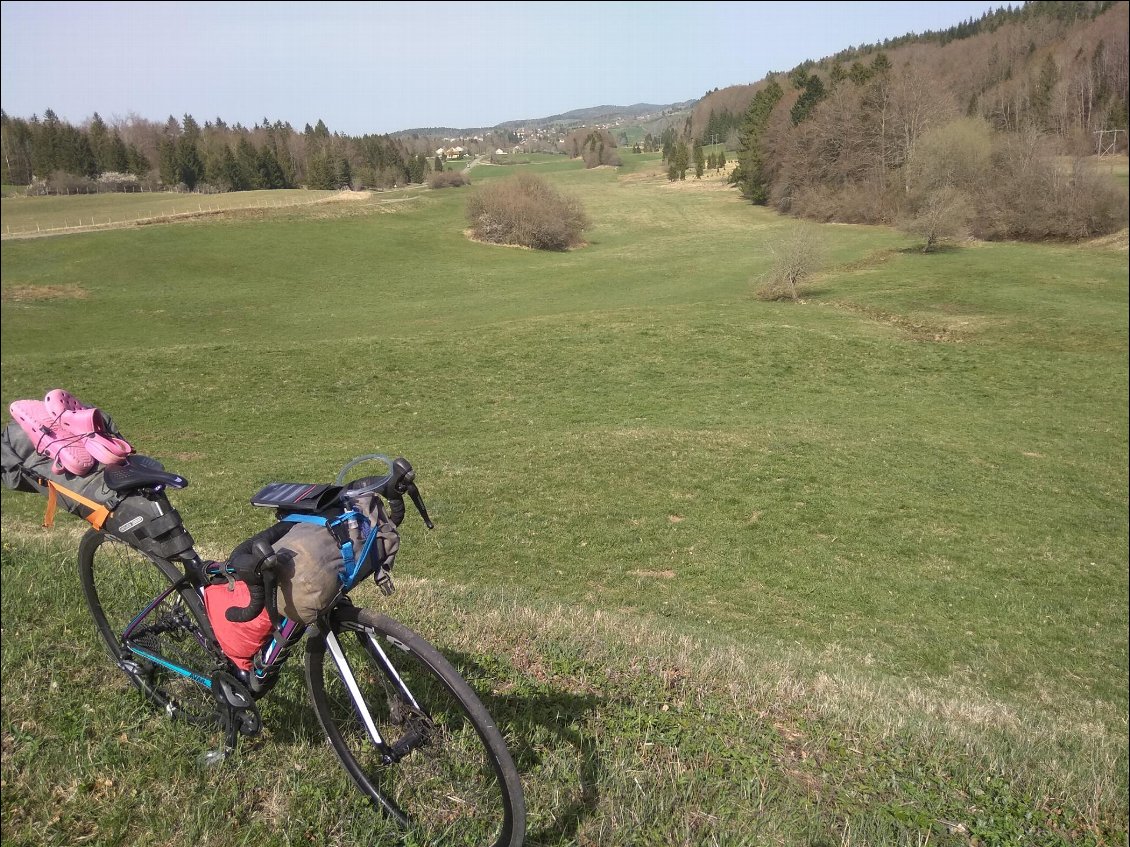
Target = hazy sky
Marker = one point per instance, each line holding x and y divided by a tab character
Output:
380	67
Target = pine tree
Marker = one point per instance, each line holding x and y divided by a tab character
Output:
247	160
116	157
167	161
749	175
699	162
188	165
812	94
99	143
344	173
682	159
136	161
270	172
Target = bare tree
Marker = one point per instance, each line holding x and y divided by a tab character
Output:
943	214
794	258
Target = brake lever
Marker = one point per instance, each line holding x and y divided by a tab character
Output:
418	502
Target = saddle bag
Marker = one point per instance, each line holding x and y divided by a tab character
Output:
144	519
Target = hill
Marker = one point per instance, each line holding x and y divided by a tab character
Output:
627	122
998	67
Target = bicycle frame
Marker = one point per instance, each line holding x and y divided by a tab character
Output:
152	657
273	656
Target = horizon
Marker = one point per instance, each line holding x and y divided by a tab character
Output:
383	68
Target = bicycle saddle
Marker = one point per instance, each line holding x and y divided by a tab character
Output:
140	472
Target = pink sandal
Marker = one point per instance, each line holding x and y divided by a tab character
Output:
50	439
89	423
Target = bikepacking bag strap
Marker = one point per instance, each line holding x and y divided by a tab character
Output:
338	527
98	511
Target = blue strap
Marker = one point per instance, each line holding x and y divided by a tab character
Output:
346	546
314	519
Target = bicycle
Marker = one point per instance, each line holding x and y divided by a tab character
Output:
411	733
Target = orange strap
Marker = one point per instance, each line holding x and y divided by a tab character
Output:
98	513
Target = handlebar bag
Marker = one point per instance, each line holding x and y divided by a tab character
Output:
239	641
312	569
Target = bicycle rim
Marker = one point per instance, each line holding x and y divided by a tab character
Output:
119	582
458	784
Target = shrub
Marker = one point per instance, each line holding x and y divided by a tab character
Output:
942	215
448	179
528	211
795	257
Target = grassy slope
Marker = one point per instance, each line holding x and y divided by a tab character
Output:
914	484
31	214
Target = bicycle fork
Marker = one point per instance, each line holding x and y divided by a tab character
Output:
416	735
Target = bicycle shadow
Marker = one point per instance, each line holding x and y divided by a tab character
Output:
544	720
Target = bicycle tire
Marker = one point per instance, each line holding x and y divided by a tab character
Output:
118	582
457	787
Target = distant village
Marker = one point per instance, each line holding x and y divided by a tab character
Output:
526	139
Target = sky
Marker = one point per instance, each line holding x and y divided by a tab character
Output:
382	67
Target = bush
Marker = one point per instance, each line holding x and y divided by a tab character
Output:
526	210
943	214
448	179
1034	196
795	257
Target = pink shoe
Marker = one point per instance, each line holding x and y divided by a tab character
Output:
50	439
87	421
58	401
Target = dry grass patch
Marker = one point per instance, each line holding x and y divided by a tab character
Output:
34	293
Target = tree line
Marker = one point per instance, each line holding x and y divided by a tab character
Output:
136	153
1059	65
893	139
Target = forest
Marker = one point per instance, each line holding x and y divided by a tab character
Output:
135	154
983	126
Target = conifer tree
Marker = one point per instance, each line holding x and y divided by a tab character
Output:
750	175
344	173
99	142
682	159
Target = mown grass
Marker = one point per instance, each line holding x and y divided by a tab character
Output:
24	215
895	513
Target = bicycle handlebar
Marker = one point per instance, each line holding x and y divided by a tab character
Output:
254	560
400	480
256	567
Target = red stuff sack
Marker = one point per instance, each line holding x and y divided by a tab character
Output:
240	641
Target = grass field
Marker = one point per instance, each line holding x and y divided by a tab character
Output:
848	571
26	215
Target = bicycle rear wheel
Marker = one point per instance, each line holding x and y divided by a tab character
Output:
445	773
120	583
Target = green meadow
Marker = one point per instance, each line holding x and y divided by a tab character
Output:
847	571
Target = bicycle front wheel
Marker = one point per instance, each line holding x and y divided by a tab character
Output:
412	733
128	592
